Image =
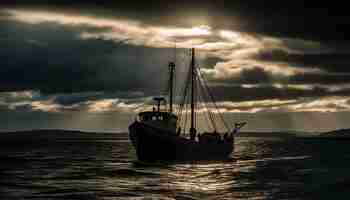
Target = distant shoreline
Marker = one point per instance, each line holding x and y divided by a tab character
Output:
340	133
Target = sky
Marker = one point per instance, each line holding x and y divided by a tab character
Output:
92	65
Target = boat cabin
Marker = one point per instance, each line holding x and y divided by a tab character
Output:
155	116
159	119
163	120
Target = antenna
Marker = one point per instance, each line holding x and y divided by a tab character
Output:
174	50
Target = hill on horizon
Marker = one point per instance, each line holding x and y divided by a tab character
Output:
342	133
63	132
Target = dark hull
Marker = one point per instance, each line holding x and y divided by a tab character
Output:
154	144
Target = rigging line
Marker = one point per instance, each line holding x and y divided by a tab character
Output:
186	86
185	122
201	96
206	114
212	118
185	102
184	106
210	114
218	115
206	95
213	100
188	101
181	106
178	111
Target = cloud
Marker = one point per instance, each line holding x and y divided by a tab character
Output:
138	33
94	102
327	104
119	30
69	64
254	92
72	58
252	72
9	97
333	62
225	44
254	99
303	105
86	66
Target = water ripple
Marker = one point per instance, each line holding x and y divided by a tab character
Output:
105	167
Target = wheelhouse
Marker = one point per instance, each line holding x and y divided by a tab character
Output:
156	116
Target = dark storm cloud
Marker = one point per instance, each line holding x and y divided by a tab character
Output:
69	99
114	71
54	58
319	79
294	19
257	75
254	75
241	93
332	62
75	98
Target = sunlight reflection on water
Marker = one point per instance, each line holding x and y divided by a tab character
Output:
263	168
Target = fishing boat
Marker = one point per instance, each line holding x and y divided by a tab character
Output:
157	135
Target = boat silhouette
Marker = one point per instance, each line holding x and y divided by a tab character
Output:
157	135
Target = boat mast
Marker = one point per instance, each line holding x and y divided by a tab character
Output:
192	129
171	82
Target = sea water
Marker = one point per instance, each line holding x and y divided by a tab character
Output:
104	166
